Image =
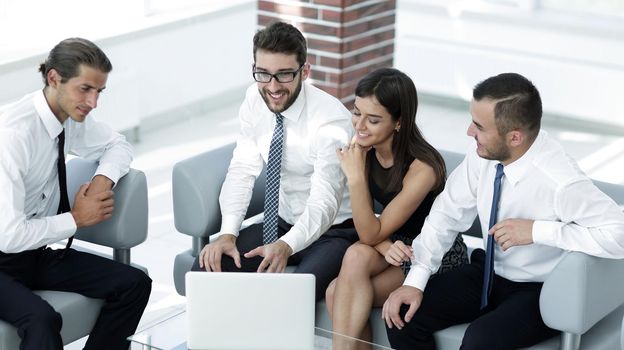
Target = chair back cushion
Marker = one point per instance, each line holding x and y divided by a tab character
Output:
128	226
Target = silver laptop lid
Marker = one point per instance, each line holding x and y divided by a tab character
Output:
250	310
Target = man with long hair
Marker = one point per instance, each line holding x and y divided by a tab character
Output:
35	135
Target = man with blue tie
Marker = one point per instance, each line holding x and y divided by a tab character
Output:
294	128
536	204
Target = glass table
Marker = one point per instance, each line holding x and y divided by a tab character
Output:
170	334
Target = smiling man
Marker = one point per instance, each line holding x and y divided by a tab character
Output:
295	129
534	204
35	135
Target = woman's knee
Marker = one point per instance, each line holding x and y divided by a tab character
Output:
357	257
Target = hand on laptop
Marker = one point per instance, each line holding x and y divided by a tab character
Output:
275	256
210	256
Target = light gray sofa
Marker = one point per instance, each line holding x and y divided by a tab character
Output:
583	297
126	229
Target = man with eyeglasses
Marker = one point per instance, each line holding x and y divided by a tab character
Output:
305	184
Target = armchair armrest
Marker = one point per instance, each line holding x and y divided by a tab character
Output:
622	336
615	191
128	226
196	185
581	291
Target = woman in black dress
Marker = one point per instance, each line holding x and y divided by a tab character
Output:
388	162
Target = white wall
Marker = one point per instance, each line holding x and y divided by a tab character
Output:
160	69
577	64
446	46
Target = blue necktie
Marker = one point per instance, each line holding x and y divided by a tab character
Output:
488	268
271	195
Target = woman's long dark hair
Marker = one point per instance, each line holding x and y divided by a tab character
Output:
396	92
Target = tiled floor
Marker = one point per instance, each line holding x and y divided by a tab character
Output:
600	155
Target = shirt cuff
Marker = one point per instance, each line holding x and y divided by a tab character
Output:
109	170
230	224
64	225
295	239
546	232
418	276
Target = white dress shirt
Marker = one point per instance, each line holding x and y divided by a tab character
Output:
545	185
312	193
28	170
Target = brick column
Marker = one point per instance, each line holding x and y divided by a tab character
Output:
346	38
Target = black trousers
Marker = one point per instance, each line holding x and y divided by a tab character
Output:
322	258
125	290
512	319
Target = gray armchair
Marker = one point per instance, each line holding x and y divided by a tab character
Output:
196	184
126	229
622	336
583	297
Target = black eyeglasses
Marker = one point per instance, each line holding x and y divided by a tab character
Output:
281	77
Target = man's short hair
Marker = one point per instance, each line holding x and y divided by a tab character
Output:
518	103
67	56
280	37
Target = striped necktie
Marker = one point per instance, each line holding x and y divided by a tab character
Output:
271	195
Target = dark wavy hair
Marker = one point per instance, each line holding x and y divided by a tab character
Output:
280	37
67	56
396	92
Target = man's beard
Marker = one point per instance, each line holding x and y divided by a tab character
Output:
291	98
500	152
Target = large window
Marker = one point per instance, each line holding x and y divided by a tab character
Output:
33	26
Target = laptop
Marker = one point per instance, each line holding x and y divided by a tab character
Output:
250	310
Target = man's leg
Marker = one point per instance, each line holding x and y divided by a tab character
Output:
323	258
450	298
248	239
37	323
124	288
514	322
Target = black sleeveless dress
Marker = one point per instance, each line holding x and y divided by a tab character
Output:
377	184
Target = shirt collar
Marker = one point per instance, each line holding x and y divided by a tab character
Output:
294	111
52	125
516	170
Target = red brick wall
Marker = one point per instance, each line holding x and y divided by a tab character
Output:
346	38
